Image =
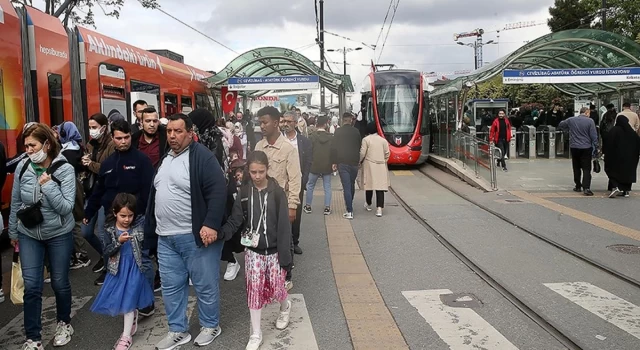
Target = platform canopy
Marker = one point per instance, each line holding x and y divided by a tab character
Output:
569	49
277	61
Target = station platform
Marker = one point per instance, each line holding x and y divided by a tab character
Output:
388	283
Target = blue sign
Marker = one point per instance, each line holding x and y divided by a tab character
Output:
567	76
292	82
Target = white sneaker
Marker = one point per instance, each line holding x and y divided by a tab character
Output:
348	216
63	334
31	345
173	340
255	340
614	193
207	336
367	207
288	285
1	296
232	271
283	319
379	212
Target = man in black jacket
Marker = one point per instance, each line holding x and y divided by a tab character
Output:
152	138
126	170
345	151
184	216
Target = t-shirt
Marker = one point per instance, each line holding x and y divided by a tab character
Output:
502	129
173	195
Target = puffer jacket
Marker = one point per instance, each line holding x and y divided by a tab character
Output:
112	249
57	201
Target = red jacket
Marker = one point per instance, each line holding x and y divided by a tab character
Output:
495	130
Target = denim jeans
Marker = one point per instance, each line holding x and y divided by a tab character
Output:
348	174
180	258
94	231
32	256
326	184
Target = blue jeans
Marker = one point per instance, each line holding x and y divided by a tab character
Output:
180	258
32	255
348	174
94	231
326	184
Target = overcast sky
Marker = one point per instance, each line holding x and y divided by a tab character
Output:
421	36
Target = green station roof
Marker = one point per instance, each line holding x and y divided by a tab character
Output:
569	49
277	61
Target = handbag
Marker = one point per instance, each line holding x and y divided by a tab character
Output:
596	166
31	215
250	237
17	283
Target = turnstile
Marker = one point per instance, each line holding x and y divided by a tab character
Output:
528	142
512	153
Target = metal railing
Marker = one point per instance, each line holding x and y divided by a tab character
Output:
477	154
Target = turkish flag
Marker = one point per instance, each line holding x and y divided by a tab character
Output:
229	99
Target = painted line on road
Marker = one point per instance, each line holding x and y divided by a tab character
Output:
12	334
299	334
601	303
461	328
369	320
582	216
151	330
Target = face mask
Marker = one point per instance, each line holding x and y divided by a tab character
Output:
95	133
38	157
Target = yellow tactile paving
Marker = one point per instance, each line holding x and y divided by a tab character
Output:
402	173
577	214
370	323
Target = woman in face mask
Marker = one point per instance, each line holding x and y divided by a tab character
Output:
41	221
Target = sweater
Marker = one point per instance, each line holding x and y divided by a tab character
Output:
130	172
582	132
208	196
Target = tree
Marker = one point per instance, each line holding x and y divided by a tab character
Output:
81	11
572	14
623	16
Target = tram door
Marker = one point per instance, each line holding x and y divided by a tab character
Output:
425	125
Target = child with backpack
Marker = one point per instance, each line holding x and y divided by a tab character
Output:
261	207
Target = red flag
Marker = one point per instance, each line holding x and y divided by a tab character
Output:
228	99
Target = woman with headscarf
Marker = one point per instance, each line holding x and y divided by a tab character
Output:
235	148
621	152
208	134
242	135
374	154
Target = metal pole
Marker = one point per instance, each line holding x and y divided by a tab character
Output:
475	55
479	52
345	60
322	91
604	14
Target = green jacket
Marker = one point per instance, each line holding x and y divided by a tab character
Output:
321	152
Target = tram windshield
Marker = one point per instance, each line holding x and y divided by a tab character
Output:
398	107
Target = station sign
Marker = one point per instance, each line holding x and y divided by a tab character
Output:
569	76
291	82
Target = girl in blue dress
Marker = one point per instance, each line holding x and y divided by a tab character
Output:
125	289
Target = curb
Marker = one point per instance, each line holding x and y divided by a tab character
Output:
464	174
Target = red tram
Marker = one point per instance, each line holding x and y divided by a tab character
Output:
398	102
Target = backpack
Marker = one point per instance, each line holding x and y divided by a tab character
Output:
78	206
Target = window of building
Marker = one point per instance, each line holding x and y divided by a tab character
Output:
56	107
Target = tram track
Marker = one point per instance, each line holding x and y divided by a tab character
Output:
536	317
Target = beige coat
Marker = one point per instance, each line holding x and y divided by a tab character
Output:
374	154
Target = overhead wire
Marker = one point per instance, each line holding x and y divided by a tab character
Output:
395	9
383	23
349	39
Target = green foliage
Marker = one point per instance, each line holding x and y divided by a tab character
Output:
572	14
81	12
623	16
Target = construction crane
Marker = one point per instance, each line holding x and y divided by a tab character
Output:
476	33
517	25
477	45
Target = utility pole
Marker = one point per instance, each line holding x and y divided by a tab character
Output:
604	14
322	105
344	62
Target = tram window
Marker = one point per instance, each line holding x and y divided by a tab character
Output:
139	86
201	101
56	107
170	104
397	107
424	127
370	117
186	104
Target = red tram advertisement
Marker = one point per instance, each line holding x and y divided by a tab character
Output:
397	102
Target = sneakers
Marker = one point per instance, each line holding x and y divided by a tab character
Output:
307	208
625	194
297	249
587	192
255	340
98	267
79	261
157	285
348	216
124	343
283	319
614	193
327	210
232	271
379	212
577	189
32	345
47	276
207	336
288	285
173	340
367	207
504	168
63	335
134	327
100	280
147	311
1	296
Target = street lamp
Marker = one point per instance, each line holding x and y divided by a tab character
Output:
477	49
344	52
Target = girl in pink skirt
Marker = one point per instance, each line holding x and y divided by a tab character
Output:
261	211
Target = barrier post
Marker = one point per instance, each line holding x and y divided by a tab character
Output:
552	142
513	153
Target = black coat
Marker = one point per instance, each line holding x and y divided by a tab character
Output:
621	152
304	152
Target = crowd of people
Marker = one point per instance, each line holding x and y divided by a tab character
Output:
164	200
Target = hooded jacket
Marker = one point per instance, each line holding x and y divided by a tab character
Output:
277	236
321	144
57	201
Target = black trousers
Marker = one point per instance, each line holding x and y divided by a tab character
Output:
295	226
227	253
503	145
581	162
379	198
